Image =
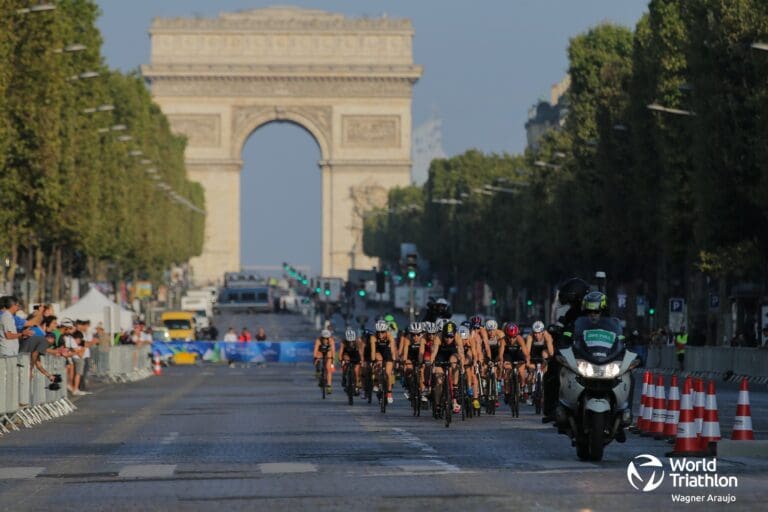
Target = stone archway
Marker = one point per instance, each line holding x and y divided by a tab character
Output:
348	82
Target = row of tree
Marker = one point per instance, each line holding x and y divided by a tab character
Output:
656	199
76	198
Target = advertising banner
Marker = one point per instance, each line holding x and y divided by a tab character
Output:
250	352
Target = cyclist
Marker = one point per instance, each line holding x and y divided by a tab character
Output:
324	344
410	348
540	346
492	344
513	350
349	353
470	356
383	347
448	349
428	344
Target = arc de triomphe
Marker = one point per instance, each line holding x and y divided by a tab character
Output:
348	82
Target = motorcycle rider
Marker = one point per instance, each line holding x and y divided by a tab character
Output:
595	307
437	309
567	309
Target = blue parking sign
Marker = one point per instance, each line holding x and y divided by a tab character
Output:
676	305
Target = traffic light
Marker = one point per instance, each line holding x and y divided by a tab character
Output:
361	289
411	262
381	285
327	289
493	301
651	311
529	303
318	290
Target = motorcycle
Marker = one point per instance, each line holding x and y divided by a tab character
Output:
595	400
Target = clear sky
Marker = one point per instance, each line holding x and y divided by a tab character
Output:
485	63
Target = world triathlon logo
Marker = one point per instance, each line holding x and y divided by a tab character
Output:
642	476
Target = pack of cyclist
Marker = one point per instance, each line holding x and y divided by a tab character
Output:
435	351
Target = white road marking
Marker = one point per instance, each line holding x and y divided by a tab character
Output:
168	439
148	471
12	473
287	467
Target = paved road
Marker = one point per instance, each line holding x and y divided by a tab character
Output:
217	438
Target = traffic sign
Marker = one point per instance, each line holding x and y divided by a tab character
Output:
676	314
622	300
640	305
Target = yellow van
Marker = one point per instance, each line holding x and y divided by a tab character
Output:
180	325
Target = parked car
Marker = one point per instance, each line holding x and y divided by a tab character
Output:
161	333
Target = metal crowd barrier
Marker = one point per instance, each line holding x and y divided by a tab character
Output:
738	361
27	402
122	363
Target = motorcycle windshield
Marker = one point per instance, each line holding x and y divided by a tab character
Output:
598	342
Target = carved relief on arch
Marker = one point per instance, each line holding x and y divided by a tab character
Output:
315	119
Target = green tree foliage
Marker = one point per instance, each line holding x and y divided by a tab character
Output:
76	193
649	197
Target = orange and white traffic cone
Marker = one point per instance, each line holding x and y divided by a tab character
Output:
699	403
645	428
659	414
687	441
710	431
673	409
158	369
640	421
742	427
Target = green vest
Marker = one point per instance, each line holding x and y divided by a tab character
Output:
681	340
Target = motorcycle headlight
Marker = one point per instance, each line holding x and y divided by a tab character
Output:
593	371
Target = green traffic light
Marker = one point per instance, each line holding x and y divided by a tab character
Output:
529	302
327	293
318	289
361	293
304	282
652	311
411	274
429	284
493	302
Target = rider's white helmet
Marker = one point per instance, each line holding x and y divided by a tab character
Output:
382	326
491	325
464	332
350	334
325	333
538	326
416	328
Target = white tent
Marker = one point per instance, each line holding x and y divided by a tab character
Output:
97	308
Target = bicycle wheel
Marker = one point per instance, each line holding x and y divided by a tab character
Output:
514	400
537	393
383	387
368	383
350	378
492	393
447	405
323	378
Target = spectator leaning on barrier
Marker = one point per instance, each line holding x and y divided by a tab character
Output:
261	335
89	340
78	350
245	335
681	340
9	335
231	335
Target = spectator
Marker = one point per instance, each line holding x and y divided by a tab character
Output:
88	341
637	344
261	335
681	340
66	342
231	335
9	335
78	350
245	335
213	333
